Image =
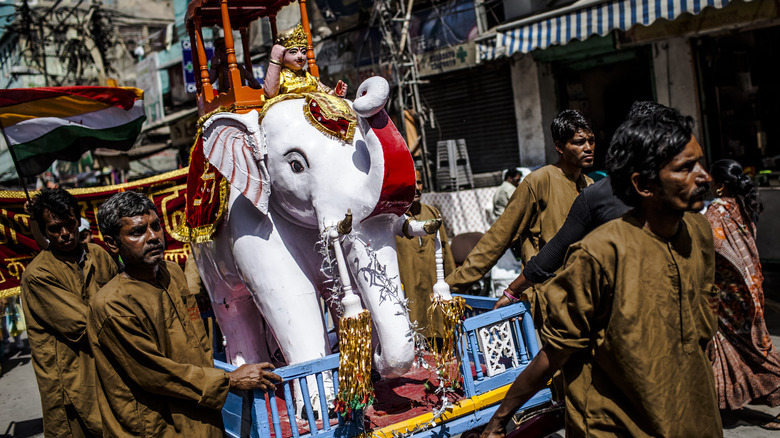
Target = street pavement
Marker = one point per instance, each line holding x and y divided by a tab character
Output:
20	403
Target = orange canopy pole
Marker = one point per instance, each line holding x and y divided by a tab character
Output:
230	50
203	64
310	46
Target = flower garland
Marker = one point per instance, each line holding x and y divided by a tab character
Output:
452	311
357	399
356	391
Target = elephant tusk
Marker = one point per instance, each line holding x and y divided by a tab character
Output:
413	228
432	225
345	225
355	390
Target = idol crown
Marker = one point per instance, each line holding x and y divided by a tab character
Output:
294	38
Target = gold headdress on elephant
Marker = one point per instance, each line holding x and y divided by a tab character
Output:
330	115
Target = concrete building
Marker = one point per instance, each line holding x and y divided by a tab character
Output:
708	59
496	73
70	42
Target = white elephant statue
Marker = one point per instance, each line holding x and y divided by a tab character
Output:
293	175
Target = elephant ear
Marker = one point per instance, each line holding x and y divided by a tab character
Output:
233	143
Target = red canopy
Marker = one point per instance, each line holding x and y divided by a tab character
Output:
242	12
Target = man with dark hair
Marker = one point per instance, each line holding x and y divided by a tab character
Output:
596	205
417	265
512	178
538	206
629	318
56	289
154	362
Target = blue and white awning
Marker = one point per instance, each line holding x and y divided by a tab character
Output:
581	20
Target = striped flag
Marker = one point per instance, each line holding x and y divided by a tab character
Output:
61	123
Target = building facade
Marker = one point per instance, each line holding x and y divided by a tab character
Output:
498	77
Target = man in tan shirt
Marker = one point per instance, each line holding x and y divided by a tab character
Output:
629	317
56	289
417	266
512	177
155	368
537	208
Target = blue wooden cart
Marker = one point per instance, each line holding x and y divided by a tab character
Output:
257	414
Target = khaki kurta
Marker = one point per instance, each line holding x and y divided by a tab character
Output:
192	275
154	362
536	211
501	198
55	295
417	265
631	310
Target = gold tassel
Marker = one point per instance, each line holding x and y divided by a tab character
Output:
355	388
452	313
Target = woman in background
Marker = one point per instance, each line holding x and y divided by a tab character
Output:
745	364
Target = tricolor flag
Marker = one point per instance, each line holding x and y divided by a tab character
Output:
61	123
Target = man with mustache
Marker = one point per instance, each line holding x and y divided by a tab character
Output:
537	208
629	316
417	266
595	206
155	367
56	288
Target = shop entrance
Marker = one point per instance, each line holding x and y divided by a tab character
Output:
603	84
740	92
604	88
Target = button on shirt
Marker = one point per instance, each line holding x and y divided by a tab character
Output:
631	310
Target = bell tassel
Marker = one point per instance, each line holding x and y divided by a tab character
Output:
356	391
452	310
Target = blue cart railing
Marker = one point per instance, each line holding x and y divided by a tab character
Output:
256	413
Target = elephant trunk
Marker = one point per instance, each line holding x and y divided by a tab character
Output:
373	262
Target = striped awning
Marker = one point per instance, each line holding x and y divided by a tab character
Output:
581	20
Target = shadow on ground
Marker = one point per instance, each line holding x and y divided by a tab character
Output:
748	416
24	429
15	357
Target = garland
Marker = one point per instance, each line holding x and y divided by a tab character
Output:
351	368
356	391
452	311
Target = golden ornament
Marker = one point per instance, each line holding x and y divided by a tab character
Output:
356	391
452	311
294	37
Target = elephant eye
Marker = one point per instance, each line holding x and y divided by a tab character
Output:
297	167
297	160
